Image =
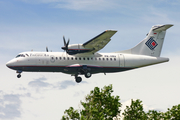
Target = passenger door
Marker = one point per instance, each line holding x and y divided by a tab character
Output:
121	60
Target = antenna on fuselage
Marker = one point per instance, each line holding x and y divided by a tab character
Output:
47	49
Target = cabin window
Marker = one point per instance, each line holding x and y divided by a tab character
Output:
87	58
72	58
106	58
95	58
111	59
67	58
84	58
60	58
114	59
103	59
99	58
64	58
56	58
79	58
91	58
75	58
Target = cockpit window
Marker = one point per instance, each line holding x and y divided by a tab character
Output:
20	55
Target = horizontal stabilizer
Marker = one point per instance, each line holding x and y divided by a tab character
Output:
162	28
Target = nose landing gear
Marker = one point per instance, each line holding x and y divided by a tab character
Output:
19	75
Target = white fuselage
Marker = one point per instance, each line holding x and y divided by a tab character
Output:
83	59
75	64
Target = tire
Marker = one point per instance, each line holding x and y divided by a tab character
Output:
78	79
88	75
18	76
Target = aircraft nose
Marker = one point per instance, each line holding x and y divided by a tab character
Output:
10	63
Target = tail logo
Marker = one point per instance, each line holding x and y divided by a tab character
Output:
151	43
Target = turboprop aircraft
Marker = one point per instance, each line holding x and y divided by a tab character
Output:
83	59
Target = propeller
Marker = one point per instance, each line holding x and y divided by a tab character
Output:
47	49
65	45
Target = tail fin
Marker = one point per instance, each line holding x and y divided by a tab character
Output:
152	44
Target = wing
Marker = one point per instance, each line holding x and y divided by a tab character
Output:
98	42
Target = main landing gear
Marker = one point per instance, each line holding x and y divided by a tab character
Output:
79	79
87	74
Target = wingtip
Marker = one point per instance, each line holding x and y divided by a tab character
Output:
111	31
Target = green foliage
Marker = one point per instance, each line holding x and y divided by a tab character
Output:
101	104
71	114
154	115
173	113
98	105
135	111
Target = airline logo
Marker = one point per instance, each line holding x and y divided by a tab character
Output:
151	43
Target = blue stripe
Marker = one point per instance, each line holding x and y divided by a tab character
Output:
69	70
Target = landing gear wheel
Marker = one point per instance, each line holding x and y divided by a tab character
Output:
78	79
88	75
19	75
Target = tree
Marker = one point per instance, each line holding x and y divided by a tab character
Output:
71	114
173	113
154	115
135	111
99	104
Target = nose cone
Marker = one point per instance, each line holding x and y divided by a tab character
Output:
11	63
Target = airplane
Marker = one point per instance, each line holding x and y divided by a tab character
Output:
83	59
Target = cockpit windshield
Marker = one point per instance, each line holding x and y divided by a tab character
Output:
20	55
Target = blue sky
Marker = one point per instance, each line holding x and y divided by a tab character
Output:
35	24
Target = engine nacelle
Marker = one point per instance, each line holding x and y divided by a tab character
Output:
76	49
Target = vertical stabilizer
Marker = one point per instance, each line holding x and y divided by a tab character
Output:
152	44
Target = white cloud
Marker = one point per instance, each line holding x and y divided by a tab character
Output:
77	4
10	106
87	5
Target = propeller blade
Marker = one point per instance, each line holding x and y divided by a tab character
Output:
64	41
46	49
65	44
